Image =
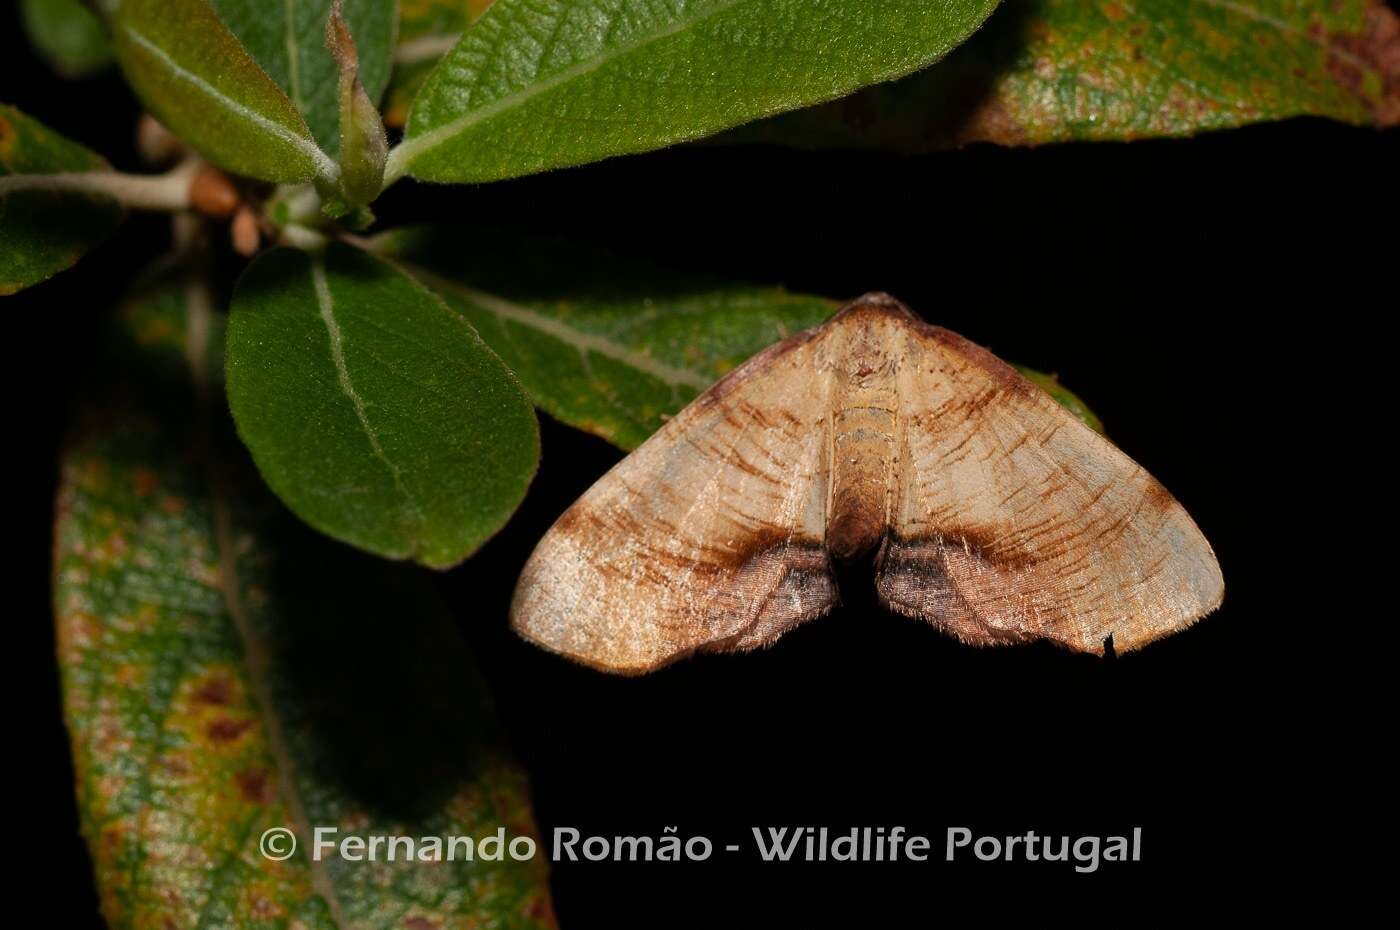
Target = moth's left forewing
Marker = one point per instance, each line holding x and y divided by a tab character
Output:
1013	521
709	537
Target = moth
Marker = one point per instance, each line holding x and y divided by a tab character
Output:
994	514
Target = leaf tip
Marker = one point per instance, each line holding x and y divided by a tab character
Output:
364	147
340	42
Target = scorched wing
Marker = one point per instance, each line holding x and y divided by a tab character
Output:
995	514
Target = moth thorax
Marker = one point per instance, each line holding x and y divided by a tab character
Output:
862	455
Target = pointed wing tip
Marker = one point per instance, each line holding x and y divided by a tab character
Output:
589	660
594	660
1205	608
536	625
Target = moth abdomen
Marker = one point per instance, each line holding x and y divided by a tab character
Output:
863	452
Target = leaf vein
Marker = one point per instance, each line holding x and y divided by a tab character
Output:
326	304
582	341
324	164
402	157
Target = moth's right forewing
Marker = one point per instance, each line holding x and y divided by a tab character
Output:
1016	522
710	536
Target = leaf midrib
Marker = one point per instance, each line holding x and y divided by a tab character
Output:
325	304
580	340
324	165
403	156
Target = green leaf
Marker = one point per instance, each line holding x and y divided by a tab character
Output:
1066	398
288	39
540	84
427	30
363	145
1055	70
193	74
375	412
225	672
68	35
605	344
44	232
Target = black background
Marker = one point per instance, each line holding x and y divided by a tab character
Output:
1221	302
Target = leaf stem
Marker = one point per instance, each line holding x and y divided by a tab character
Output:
169	192
300	204
301	237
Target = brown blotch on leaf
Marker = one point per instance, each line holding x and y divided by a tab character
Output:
540	909
145	481
217	690
254	785
226	729
1377	46
1115	12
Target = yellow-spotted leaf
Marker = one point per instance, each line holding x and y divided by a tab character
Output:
1058	70
232	681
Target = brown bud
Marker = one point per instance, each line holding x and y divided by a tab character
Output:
244	231
212	193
